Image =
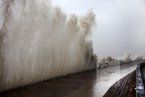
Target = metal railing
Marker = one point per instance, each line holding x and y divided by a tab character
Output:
140	90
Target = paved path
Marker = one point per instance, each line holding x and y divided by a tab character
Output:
85	84
104	82
124	87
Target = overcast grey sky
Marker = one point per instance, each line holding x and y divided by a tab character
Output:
120	24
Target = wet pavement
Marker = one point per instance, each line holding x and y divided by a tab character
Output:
106	80
74	85
85	84
124	87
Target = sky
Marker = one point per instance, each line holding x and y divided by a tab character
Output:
120	24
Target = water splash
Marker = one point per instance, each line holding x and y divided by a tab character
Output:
39	42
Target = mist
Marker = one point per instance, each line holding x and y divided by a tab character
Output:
38	41
120	24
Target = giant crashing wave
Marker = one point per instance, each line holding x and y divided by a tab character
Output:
39	42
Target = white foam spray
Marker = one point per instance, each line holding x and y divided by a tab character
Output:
39	42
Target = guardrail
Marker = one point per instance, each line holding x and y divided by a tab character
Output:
140	80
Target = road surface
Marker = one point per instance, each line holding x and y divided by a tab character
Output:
85	84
